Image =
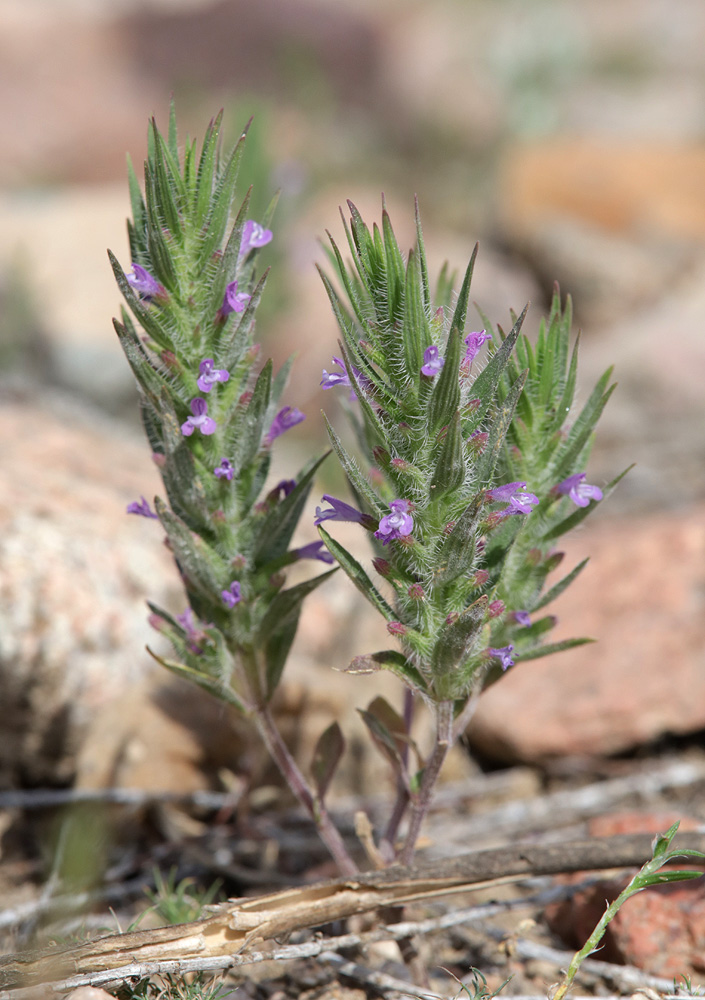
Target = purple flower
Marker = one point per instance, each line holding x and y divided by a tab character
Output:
195	634
208	375
224	470
254	236
339	511
142	508
432	363
232	301
331	379
287	418
143	282
285	487
232	595
314	550
522	618
398	524
519	501
579	492
503	654
474	342
200	419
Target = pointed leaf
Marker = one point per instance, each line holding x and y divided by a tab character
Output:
445	398
461	309
278	627
358	576
559	587
328	751
549	649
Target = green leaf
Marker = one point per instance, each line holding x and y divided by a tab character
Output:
203	570
396	279
358	576
277	529
445	398
453	646
244	430
392	660
549	649
485	385
415	333
220	203
213	685
278	627
456	553
559	587
388	731
449	473
328	751
497	432
146	317
423	266
461	309
357	480
206	169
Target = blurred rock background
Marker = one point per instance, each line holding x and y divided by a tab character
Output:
568	138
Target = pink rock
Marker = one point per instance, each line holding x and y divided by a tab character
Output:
641	596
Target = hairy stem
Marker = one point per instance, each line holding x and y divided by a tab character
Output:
422	800
302	790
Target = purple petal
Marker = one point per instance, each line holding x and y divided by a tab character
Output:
432	362
141	508
338	511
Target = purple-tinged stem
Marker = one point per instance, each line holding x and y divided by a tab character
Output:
300	787
422	800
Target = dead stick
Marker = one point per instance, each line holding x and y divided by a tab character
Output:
237	924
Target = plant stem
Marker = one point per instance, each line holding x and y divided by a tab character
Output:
302	790
422	800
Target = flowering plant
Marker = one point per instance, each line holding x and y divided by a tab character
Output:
473	469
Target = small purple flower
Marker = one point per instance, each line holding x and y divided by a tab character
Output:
200	419
285	487
233	301
339	511
195	634
224	470
398	524
144	283
287	418
503	654
331	379
474	342
142	508
208	375
232	595
522	618
579	492
254	236
519	501
432	362
315	550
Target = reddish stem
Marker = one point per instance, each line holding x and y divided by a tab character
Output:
422	800
302	790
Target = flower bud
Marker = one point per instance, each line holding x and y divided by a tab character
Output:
396	628
495	609
382	566
416	592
